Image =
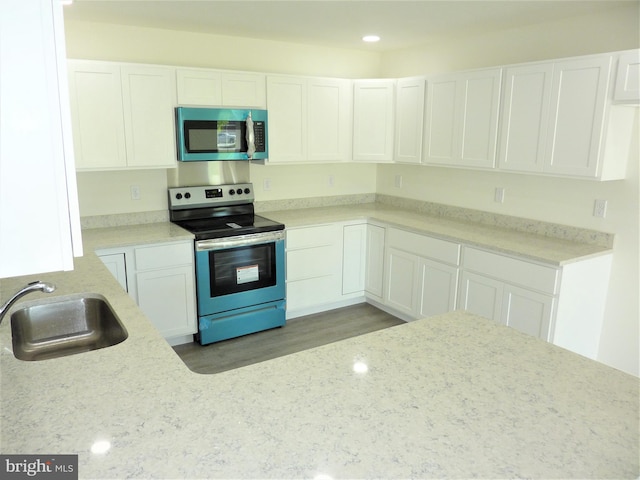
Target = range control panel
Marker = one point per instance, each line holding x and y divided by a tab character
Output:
210	195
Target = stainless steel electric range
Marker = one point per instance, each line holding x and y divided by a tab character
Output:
239	259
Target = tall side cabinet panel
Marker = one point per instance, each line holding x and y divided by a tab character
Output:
35	142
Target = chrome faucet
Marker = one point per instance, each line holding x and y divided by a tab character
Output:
31	287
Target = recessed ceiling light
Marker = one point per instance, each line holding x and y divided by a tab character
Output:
371	38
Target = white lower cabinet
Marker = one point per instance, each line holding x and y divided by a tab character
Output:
325	267
525	310
421	274
161	279
374	265
413	275
562	304
115	263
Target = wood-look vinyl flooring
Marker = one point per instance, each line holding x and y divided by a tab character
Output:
298	334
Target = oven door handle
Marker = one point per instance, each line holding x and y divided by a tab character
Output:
239	241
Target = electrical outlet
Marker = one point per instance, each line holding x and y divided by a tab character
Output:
135	192
398	182
266	184
331	181
499	195
600	208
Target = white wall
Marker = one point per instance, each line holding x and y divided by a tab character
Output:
557	200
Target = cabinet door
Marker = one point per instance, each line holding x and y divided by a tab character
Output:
462	118
166	297
373	120
409	120
328	120
578	100
479	118
286	102
401	281
527	311
148	102
244	90
438	286
525	117
38	201
482	296
375	261
115	263
442	124
198	87
627	88
354	258
96	115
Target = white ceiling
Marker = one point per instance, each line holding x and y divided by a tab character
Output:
336	23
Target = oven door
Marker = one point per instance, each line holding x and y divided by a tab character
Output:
239	272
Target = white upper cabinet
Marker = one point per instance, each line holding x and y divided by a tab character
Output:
122	115
148	95
39	216
198	87
461	121
409	120
373	120
578	100
215	88
97	115
287	105
525	117
558	119
627	87
309	119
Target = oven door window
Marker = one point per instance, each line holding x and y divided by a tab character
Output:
210	136
242	269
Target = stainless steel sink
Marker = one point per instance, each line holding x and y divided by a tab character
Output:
65	326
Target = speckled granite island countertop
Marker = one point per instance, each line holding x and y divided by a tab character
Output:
548	243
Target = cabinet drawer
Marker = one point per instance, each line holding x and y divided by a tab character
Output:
311	263
312	236
424	246
511	270
162	256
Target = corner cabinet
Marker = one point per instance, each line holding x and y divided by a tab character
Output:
461	120
309	119
373	120
558	118
122	115
39	232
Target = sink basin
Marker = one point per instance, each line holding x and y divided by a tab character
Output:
65	326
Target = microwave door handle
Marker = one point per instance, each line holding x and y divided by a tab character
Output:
250	136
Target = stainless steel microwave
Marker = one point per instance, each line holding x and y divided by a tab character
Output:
213	134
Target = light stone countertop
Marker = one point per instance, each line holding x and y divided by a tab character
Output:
537	247
449	396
